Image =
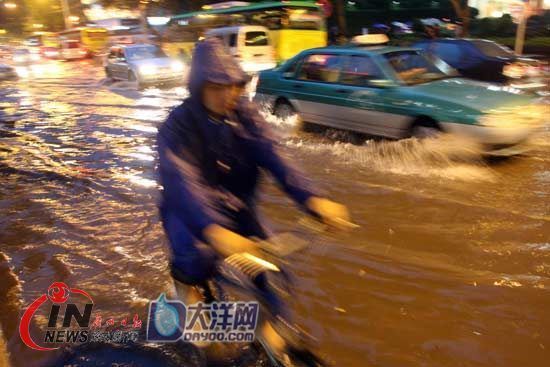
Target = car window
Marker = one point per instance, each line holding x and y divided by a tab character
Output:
359	70
320	68
451	53
290	70
233	40
258	38
413	67
492	49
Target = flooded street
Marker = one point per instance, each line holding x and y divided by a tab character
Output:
450	266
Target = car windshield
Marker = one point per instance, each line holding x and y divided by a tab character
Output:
413	67
145	52
492	49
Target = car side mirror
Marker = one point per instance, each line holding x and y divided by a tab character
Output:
381	83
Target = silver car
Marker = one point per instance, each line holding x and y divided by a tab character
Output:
143	63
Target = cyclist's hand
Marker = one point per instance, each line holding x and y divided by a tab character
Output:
227	242
330	212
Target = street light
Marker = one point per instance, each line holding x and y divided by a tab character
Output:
10	5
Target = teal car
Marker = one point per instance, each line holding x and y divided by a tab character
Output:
397	92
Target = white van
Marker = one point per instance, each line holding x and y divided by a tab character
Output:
250	45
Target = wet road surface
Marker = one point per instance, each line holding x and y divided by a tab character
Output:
450	267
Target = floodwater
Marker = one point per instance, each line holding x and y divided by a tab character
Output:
450	266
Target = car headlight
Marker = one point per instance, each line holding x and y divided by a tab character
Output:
515	117
147	69
177	66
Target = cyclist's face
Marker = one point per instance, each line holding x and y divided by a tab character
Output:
221	98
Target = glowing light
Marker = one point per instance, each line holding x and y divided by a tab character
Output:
140	181
158	20
10	5
148	69
97	12
177	66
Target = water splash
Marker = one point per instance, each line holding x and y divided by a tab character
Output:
446	156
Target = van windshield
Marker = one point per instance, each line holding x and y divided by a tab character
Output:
257	38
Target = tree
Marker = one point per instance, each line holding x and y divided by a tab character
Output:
341	21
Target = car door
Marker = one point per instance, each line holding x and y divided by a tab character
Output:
111	60
366	99
123	64
119	65
313	89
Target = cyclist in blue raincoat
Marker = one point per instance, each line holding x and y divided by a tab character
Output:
213	149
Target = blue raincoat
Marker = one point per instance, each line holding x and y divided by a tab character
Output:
210	168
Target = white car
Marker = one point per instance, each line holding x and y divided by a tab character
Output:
143	63
250	45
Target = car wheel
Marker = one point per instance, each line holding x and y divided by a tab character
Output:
425	128
284	110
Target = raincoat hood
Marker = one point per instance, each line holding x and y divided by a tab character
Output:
212	63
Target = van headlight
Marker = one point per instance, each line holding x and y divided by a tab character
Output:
177	66
147	69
